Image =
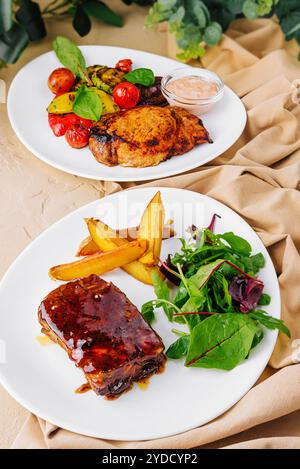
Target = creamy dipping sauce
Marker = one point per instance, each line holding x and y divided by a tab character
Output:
192	87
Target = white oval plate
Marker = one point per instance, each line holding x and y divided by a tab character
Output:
29	97
43	379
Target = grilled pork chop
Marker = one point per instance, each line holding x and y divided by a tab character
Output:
145	135
103	333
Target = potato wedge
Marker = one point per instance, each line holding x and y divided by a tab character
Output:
99	263
105	238
151	229
63	104
88	246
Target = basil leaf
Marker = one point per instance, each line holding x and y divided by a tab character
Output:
269	322
179	348
70	56
87	104
141	76
221	341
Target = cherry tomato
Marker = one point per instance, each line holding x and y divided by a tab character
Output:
61	80
126	95
125	65
77	136
60	123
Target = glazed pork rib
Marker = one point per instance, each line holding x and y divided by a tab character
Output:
103	333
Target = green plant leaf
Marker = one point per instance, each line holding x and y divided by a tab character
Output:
12	43
6	20
70	56
221	341
102	12
30	17
179	348
81	22
87	104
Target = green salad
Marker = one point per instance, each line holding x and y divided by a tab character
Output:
212	287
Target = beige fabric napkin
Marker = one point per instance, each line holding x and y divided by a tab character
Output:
259	177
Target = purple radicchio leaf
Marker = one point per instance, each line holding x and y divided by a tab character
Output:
246	291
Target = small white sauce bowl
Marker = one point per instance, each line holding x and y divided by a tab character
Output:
197	106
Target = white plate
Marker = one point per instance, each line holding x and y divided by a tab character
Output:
43	379
29	97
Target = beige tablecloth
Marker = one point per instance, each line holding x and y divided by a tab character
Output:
258	177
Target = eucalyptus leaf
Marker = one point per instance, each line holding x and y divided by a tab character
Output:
212	34
6	19
250	9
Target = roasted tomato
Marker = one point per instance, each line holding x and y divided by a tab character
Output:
126	95
78	136
125	65
60	123
61	80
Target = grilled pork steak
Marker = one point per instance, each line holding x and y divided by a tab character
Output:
103	333
145	135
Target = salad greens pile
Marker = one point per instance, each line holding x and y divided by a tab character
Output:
212	288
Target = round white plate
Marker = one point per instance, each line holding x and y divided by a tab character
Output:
43	379
29	97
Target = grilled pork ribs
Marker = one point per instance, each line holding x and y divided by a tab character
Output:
103	333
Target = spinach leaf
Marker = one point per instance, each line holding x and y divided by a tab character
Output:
87	104
141	76
238	244
269	322
179	348
70	56
221	341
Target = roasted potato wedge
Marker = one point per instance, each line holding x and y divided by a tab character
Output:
88	246
99	263
64	104
107	239
151	229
